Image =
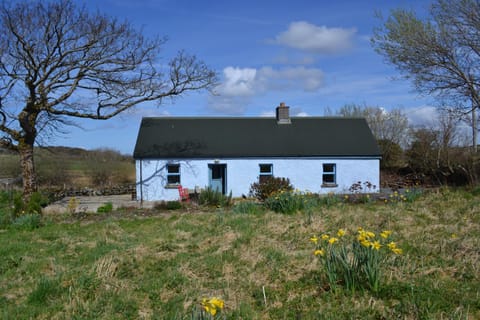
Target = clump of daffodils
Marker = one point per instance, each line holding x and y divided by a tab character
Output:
213	306
354	260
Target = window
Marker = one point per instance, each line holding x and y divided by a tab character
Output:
266	171
329	174
173	173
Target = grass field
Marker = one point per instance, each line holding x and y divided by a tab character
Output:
261	263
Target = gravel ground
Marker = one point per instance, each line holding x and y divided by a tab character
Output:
91	204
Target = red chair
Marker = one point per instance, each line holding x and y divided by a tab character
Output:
183	192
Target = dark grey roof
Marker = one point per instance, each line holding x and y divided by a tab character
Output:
169	137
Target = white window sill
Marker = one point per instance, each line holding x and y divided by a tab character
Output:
329	185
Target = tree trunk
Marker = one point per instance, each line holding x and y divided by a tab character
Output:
474	130
29	176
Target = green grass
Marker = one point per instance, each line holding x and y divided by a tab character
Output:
259	262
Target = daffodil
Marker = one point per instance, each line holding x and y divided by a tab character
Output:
365	243
341	232
361	237
397	251
212	305
332	240
218	303
319	252
376	245
314	239
370	234
392	245
385	234
325	237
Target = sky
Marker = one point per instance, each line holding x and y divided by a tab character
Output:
314	55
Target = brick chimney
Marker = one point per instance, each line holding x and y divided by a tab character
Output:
283	115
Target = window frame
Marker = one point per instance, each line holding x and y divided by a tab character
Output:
332	173
176	174
264	174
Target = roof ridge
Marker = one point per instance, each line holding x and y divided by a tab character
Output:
248	117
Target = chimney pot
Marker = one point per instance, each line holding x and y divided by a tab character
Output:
283	115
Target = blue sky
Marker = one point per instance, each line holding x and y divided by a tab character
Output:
312	55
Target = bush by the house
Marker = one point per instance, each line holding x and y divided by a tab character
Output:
34	205
211	197
270	186
286	202
28	222
107	207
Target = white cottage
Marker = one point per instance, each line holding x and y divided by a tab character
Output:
318	154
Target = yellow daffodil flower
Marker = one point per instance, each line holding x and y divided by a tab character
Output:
385	234
376	245
218	303
314	239
212	305
397	251
392	245
325	237
370	234
341	232
332	240
319	252
365	243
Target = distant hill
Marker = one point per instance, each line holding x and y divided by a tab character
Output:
73	167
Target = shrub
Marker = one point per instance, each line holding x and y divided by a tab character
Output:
34	205
212	197
270	186
27	222
286	202
107	207
72	205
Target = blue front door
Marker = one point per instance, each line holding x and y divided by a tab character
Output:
217	174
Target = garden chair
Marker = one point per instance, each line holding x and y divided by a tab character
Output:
183	192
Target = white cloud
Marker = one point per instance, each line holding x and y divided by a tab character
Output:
267	114
422	116
295	112
238	82
302	114
306	79
240	85
318	39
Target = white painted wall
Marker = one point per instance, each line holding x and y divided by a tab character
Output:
304	175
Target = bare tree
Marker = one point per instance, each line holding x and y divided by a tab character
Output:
441	54
60	62
390	128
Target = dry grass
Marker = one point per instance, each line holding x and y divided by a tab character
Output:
261	265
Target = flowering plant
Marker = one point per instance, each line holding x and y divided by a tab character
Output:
354	260
212	306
